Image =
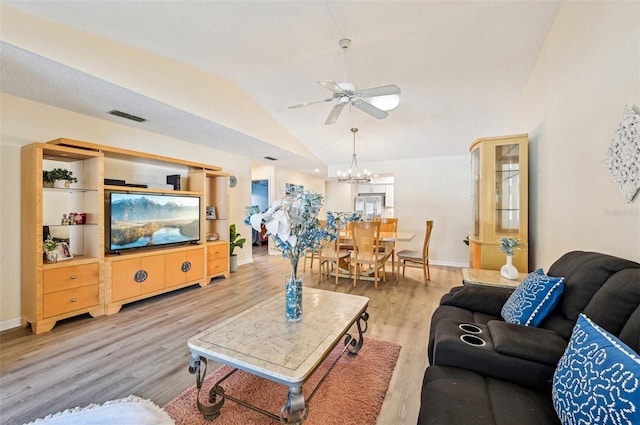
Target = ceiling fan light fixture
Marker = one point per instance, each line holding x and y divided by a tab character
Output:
386	103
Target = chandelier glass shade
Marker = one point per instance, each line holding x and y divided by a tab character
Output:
353	174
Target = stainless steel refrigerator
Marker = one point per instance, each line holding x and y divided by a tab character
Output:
369	205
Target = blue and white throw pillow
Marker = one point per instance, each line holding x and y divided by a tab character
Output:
533	299
597	380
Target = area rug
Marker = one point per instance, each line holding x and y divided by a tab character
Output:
352	394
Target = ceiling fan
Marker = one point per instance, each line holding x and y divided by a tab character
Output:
348	93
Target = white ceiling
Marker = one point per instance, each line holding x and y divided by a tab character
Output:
461	65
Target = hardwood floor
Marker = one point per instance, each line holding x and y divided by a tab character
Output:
143	349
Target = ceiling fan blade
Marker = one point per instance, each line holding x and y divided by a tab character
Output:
370	109
380	91
312	102
333	115
331	85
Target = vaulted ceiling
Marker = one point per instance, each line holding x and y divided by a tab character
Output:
461	65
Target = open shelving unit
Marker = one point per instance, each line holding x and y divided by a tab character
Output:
92	279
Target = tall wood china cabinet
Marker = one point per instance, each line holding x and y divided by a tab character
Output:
500	200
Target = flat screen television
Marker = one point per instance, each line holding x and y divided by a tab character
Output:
140	220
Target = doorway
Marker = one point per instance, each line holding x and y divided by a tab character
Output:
260	198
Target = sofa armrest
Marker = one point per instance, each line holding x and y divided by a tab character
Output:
526	342
482	299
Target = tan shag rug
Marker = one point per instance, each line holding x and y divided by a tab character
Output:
352	394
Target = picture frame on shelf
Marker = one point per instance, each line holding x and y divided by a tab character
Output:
211	213
63	251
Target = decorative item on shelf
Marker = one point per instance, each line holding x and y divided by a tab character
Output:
234	241
293	222
211	213
61	177
509	246
353	174
174	180
50	247
47	180
212	237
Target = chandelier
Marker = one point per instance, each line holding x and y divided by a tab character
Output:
353	174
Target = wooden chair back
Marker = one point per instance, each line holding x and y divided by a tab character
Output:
427	239
388	224
366	239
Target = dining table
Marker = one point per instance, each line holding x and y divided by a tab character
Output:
346	238
384	236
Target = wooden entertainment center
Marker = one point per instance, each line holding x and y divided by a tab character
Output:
92	279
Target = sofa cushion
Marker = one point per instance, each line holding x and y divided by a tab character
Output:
533	299
612	306
535	344
584	274
457	396
597	380
481	299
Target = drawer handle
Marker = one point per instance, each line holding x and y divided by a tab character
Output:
140	276
73	276
186	266
74	300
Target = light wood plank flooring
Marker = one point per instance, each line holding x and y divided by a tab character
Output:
143	349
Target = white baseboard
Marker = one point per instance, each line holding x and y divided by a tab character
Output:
10	324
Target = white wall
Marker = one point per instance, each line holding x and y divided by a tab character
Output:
25	122
588	70
435	189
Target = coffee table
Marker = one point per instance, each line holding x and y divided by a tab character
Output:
262	342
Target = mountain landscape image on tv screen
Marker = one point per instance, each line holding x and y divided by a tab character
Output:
142	220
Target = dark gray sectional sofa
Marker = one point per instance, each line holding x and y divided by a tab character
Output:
507	379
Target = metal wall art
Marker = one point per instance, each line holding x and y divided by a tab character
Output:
623	156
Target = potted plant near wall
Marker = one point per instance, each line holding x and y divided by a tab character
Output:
60	177
234	241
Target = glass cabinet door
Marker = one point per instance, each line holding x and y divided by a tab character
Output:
475	191
507	190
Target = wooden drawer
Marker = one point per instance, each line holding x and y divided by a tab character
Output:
63	278
216	266
71	299
217	251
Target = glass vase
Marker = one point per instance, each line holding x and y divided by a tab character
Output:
508	270
293	297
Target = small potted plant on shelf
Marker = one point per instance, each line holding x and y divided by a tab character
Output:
61	177
50	250
234	241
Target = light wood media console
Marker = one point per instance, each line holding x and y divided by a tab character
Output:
94	280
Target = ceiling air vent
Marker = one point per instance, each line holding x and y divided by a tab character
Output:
127	116
270	158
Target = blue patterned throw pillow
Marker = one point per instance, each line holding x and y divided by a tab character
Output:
597	380
533	299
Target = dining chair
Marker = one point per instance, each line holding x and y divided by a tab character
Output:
367	253
419	259
389	224
312	254
332	256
